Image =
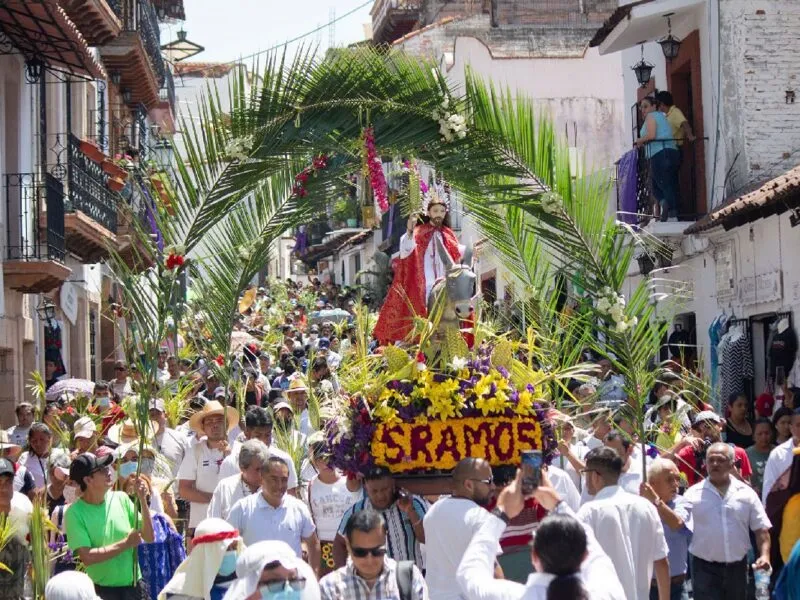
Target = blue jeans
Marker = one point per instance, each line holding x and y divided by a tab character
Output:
664	166
677	591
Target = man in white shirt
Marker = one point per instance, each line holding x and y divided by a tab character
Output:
780	459
475	575
199	473
724	511
272	514
627	526
632	475
258	426
252	456
171	444
562	483
18	434
451	522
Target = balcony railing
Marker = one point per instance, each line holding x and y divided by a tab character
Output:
641	207
391	19
140	16
26	195
88	190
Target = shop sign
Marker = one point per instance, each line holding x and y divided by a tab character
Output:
766	287
69	302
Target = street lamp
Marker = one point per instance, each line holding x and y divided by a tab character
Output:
46	310
181	49
670	45
643	70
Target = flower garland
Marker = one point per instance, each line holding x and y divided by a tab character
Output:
373	168
318	164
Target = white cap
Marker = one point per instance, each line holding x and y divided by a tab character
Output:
251	564
84	427
70	585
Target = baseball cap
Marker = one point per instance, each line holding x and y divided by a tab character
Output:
324	343
87	463
765	403
157	404
84	427
6	467
281	405
707	415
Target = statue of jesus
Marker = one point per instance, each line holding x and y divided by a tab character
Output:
417	269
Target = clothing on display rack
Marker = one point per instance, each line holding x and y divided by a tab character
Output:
781	347
715	332
736	358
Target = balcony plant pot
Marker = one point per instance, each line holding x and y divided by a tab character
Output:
115	184
352	223
114	170
92	151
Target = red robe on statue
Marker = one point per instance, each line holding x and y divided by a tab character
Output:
406	297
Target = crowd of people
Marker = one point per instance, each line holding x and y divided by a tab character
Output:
238	499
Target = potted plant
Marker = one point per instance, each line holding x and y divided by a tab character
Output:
118	166
115	184
346	211
92	151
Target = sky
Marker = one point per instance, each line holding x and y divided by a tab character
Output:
229	29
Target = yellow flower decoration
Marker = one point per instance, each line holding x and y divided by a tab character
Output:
525	403
445	404
386	414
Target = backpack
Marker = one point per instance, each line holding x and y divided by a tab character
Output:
405	577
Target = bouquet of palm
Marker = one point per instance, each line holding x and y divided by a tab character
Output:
42	555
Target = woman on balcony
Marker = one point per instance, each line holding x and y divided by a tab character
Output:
662	155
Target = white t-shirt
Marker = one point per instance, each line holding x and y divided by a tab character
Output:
201	465
449	526
328	503
228	492
230	466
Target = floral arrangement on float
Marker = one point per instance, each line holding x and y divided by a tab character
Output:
424	420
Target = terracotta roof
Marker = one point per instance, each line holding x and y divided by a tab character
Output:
622	13
417	32
203	69
774	197
41	29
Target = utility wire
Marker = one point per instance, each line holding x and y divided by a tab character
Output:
286	43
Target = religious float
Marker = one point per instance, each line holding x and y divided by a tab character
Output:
420	420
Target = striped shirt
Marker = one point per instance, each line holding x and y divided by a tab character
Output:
345	584
401	541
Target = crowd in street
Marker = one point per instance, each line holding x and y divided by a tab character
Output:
238	499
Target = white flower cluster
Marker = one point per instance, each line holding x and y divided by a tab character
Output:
613	304
239	148
244	254
451	124
552	202
459	363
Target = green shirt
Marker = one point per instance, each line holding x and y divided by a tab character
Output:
97	525
758	460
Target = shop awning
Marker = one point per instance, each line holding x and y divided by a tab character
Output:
645	21
772	198
41	30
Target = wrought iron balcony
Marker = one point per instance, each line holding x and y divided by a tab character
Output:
167	92
392	19
140	16
29	197
88	188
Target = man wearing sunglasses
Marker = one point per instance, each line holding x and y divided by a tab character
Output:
451	522
369	572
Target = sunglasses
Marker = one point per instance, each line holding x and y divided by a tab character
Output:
489	481
297	585
377	552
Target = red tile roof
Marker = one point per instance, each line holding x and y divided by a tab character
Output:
774	197
204	69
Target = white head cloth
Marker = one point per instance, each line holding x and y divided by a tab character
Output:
70	585
252	562
195	575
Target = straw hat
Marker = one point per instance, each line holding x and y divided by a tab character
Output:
5	444
213	407
297	385
125	432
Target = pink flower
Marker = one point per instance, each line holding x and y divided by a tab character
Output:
376	177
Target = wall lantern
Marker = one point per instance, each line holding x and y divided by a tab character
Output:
643	70
46	310
670	45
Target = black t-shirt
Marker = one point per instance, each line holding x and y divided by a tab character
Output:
733	436
782	350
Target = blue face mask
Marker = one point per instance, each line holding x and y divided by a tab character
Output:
104	401
127	469
286	593
228	565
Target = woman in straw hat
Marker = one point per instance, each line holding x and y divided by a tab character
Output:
199	472
210	568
